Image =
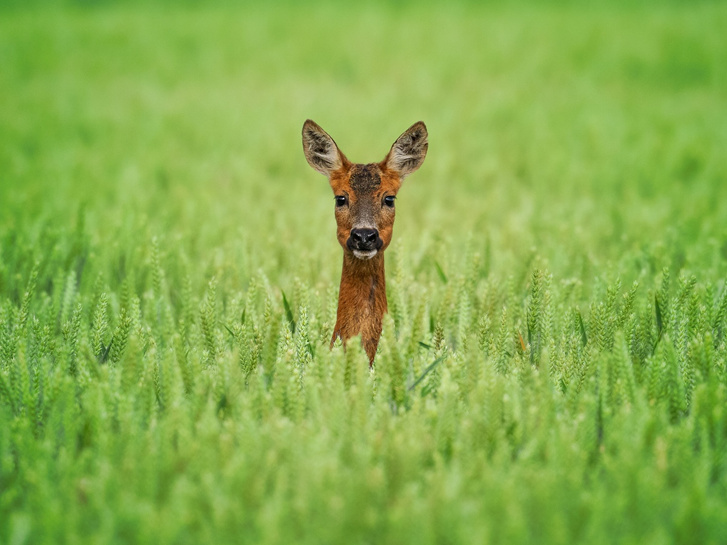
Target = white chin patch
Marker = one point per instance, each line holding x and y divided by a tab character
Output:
365	255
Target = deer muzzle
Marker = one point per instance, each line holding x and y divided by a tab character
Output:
364	242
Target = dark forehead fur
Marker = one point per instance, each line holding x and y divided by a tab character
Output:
365	178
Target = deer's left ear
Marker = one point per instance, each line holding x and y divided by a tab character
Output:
408	152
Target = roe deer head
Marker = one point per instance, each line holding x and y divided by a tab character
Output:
364	198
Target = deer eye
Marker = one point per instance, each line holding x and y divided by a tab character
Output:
340	200
389	201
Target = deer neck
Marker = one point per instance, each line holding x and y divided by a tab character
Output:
361	301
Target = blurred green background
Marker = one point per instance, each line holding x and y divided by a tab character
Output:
593	125
153	186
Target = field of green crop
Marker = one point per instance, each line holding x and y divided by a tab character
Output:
553	367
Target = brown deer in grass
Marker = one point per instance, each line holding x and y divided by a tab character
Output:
364	197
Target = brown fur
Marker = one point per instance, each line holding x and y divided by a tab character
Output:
361	302
362	296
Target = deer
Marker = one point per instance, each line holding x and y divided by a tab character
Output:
365	197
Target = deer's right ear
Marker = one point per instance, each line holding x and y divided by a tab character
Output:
320	150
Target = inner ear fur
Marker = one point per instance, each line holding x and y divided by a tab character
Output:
321	150
408	152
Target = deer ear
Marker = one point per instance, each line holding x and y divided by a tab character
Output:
408	152
320	150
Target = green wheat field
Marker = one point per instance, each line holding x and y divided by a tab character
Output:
553	367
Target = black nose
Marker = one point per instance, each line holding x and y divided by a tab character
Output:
364	238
